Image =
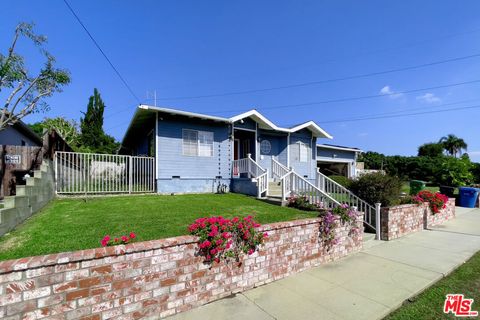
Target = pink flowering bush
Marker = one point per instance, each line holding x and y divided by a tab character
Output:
344	214
221	238
109	241
436	201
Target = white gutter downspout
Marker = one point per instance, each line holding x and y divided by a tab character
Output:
288	150
156	148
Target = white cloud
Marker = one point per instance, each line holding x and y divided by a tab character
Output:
391	94
429	98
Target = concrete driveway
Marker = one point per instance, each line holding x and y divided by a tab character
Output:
366	285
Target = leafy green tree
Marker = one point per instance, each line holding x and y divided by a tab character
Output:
453	144
37	127
430	150
67	129
27	91
93	138
372	160
454	172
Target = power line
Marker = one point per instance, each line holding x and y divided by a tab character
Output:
311	83
101	51
404	115
367	116
305	104
350	56
380	116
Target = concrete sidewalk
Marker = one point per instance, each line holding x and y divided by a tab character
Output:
366	285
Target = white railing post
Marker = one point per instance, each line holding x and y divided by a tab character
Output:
130	173
56	171
377	220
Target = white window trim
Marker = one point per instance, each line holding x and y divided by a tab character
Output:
300	145
198	144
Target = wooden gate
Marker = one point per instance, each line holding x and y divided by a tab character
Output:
89	173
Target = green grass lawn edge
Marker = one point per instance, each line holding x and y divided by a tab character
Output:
69	224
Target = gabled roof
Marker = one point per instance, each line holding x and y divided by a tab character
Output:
267	124
144	113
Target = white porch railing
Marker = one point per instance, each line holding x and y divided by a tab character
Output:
294	184
343	195
278	169
253	170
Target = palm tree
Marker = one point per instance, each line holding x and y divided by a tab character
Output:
453	144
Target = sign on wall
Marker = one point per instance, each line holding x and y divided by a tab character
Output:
13	159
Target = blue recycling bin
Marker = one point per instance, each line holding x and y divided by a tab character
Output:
468	196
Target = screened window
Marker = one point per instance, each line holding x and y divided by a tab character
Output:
197	143
205	144
303	156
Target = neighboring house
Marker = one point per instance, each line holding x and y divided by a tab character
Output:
196	152
20	134
337	160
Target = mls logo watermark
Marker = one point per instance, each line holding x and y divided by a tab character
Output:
459	306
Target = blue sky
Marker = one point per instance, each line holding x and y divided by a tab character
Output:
192	48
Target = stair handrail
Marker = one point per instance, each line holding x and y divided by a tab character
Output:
278	169
369	210
262	184
292	182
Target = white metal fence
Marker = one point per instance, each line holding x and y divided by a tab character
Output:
89	173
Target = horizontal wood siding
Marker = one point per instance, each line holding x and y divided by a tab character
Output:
172	162
302	168
279	146
340	154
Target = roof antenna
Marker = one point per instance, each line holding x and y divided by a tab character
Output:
154	97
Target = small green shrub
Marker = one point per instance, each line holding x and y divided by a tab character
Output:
342	180
377	187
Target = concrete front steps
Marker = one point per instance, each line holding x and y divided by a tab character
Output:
29	198
274	195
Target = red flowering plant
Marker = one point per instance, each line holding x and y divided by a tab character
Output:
109	241
437	201
221	238
343	214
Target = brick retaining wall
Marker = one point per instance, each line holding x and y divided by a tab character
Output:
156	278
401	220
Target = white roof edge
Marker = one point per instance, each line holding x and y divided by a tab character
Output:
184	113
338	148
310	123
315	126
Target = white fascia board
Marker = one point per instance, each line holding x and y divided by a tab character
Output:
320	133
339	148
184	113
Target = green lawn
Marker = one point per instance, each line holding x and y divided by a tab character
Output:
429	304
73	224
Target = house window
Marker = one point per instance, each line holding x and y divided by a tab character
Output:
197	143
265	147
303	152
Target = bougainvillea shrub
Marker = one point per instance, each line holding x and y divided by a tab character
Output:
341	214
437	201
113	241
221	238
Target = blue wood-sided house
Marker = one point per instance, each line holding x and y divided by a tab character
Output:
247	153
196	152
